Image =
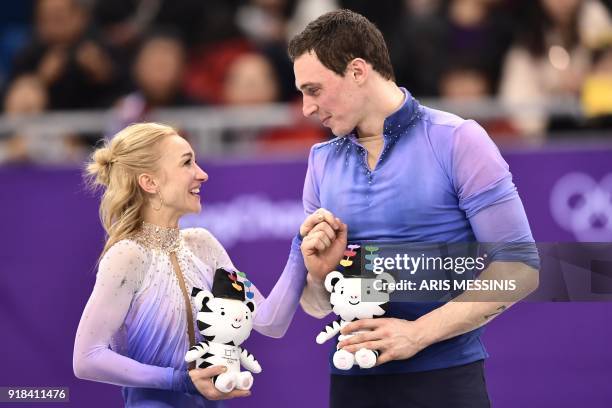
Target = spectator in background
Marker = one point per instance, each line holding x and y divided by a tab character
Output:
265	21
73	63
428	38
550	58
158	76
26	97
597	88
467	79
197	21
256	26
306	11
252	80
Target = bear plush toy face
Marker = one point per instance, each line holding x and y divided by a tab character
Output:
346	295
224	320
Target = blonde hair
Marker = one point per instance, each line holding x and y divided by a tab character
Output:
115	168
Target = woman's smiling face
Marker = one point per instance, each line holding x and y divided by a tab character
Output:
180	176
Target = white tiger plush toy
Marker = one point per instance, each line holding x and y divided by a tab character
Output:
346	290
225	319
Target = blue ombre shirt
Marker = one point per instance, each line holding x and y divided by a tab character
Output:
439	178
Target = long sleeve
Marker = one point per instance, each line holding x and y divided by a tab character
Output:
489	198
119	275
314	299
274	312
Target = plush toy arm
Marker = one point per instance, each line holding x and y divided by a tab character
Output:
248	361
330	331
196	351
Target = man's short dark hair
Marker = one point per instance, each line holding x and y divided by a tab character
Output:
340	36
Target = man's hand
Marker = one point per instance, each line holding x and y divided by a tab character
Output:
395	339
324	242
202	379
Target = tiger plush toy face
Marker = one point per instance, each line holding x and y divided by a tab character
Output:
224	320
346	295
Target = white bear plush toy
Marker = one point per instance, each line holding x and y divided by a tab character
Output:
225	319
346	298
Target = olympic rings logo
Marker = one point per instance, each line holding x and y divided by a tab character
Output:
583	206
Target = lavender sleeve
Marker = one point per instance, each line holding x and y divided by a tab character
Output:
489	198
315	298
117	279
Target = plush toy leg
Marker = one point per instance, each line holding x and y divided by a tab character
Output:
226	382
365	358
343	360
244	380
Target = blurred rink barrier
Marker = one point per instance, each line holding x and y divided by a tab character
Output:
542	354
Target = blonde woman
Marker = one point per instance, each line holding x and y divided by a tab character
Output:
134	331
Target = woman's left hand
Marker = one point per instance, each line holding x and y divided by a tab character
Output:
395	339
202	380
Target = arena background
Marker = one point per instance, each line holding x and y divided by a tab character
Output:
543	354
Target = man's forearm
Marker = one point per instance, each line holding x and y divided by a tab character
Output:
473	309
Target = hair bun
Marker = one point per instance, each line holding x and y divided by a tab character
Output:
100	166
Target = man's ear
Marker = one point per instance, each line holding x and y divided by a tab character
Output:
148	183
358	69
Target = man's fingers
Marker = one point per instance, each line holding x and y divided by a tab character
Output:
384	357
370	345
323	240
342	232
319	216
360	338
363	324
315	241
326	229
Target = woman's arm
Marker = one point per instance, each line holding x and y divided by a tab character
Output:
274	312
119	274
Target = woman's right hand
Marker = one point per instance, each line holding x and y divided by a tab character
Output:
202	379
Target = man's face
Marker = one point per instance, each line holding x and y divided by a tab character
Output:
335	100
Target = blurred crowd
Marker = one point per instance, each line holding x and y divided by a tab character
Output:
135	56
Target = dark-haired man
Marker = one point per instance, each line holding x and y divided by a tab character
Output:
399	171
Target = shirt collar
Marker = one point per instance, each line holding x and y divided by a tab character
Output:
400	120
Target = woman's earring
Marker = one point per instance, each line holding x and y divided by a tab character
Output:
161	202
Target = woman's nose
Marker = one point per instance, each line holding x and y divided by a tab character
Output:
202	175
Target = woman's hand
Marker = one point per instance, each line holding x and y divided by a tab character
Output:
324	242
202	379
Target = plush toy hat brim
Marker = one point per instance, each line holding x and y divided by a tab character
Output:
226	285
